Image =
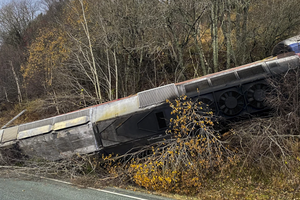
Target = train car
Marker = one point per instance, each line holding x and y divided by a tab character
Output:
291	45
141	119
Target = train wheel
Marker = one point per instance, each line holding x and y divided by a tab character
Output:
256	95
231	103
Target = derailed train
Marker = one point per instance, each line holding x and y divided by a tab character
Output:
119	125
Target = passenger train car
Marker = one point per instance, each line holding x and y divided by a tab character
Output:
140	119
289	45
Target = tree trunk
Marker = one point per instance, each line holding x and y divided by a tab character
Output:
241	31
92	64
227	32
116	74
6	96
17	82
214	29
203	63
244	32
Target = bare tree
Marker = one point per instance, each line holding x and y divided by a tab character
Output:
15	18
84	52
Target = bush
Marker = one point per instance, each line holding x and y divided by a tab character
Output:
272	143
193	154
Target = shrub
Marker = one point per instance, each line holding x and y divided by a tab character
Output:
272	142
194	153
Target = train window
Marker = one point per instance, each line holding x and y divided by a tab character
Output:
223	79
251	71
161	120
198	86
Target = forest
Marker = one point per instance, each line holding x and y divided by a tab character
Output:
69	54
57	56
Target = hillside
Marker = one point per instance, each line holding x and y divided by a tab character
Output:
79	53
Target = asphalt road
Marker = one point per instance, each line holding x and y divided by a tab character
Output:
44	189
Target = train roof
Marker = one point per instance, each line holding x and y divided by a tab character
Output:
292	40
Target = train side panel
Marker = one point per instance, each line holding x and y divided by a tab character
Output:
54	138
134	121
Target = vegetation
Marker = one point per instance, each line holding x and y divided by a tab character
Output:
86	52
194	153
255	159
77	53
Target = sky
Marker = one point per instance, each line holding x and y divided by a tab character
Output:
36	3
4	2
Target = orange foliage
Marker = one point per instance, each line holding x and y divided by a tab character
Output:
46	54
185	162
